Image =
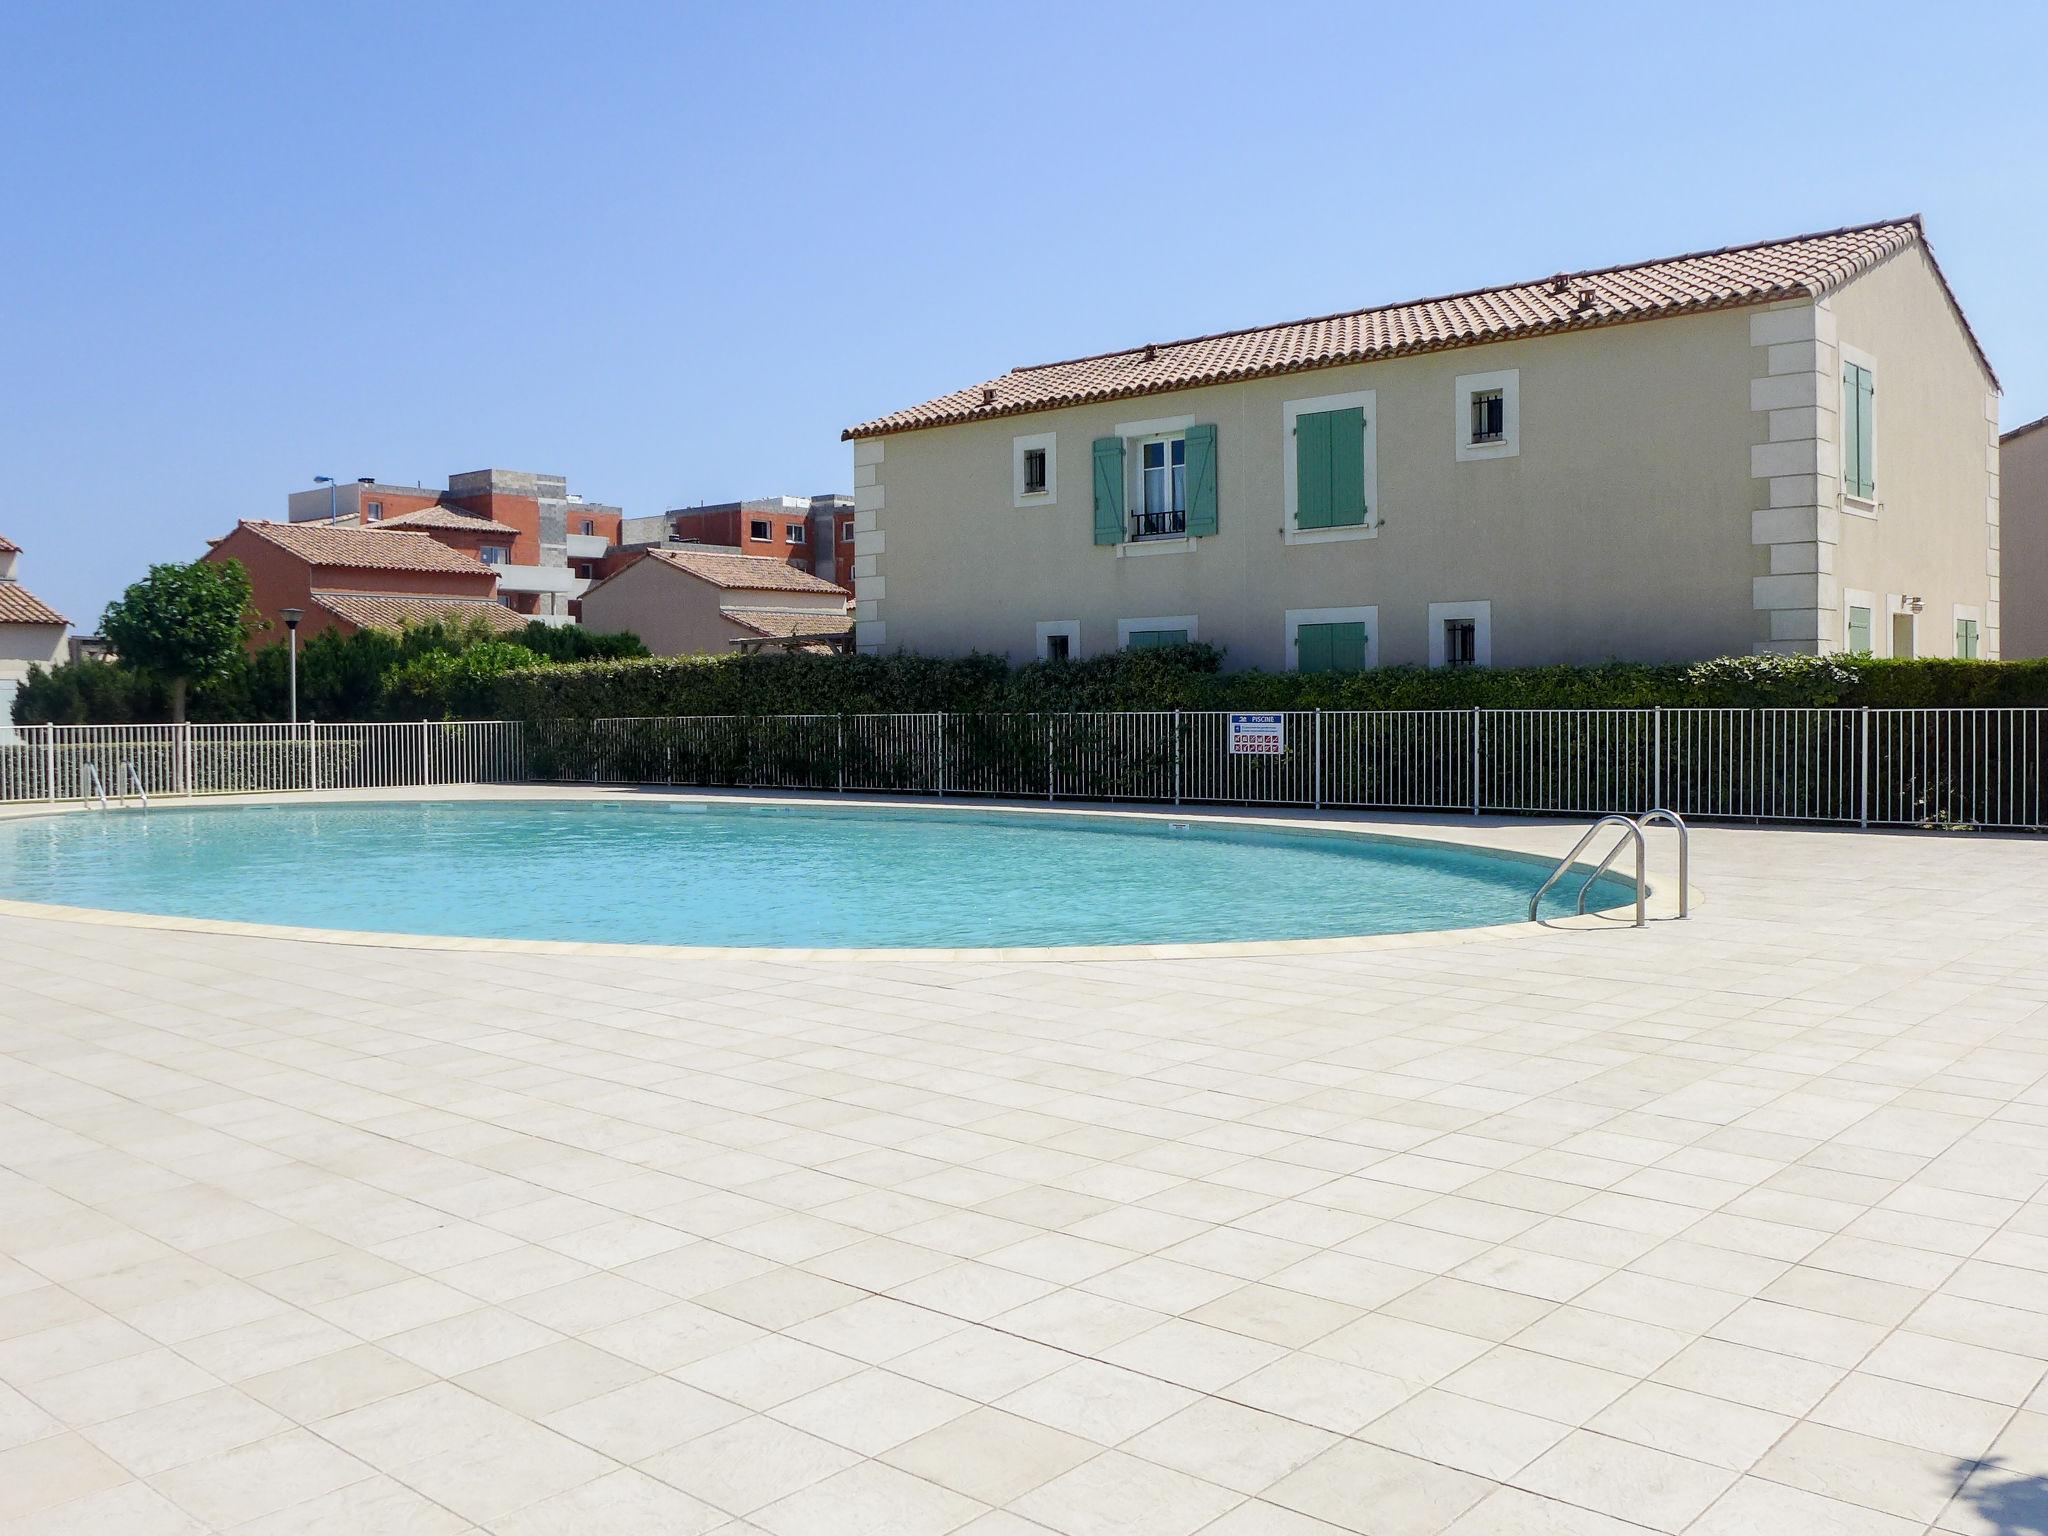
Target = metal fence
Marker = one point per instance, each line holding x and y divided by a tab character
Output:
1873	767
46	762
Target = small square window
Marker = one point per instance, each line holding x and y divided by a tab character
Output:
493	554
1489	416
761	531
846	533
1034	471
1057	648
376	511
589	528
1461	643
796	533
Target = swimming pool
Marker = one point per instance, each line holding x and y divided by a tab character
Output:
687	872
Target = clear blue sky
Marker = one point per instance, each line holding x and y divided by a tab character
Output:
670	252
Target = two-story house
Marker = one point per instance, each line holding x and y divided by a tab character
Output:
1788	447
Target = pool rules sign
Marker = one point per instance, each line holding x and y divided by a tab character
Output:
1258	735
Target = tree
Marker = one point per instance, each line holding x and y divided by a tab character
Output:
183	624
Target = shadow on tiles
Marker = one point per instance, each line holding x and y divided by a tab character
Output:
2010	1504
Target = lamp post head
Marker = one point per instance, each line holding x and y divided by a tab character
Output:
323	479
291	617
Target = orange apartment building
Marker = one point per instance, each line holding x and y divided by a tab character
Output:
558	544
812	533
349	578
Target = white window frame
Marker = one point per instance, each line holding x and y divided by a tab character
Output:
756	523
1976	615
589	527
1509	382
1857	506
1290	494
1296	617
491	554
797	534
1049	442
1047	628
1481	615
1896	603
1851	598
374	511
1126	627
846	533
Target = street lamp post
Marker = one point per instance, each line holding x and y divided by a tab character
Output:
291	617
328	481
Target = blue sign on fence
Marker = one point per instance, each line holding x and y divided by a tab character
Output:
1258	735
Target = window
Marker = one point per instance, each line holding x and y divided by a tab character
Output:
1489	414
1162	489
796	533
375	511
589	528
1966	639
1329	469
1058	640
584	570
493	554
1149	634
1461	634
1461	643
1859	474
504	599
1331	639
761	531
1034	470
846	533
1902	636
1859	630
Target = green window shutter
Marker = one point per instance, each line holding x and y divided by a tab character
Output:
1966	639
1201	480
1858	477
1330	648
1312	470
1347	468
1866	471
1109	490
1329	469
1153	639
1859	631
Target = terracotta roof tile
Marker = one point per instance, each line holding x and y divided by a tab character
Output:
1807	265
393	610
784	625
18	605
8	546
365	549
756	573
446	517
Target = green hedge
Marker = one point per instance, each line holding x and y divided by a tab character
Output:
1188	677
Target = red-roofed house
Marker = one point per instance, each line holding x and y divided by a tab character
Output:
1781	447
349	578
31	632
701	601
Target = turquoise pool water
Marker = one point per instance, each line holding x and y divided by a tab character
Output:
673	873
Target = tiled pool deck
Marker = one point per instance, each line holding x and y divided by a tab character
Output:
1732	1227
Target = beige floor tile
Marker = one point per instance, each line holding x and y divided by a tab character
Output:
624	1503
1466	1433
872	1412
766	1371
1103	1403
1515	1512
869	1500
1222	1442
634	1422
128	1509
553	1377
1860	1469
875	1329
1625	1480
1120	1495
1754	1507
990	1455
1368	1488
233	1487
503	1471
376	1506
749	1464
1709	1429
169	1435
53	1471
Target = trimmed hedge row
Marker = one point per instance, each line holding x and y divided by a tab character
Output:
1188	677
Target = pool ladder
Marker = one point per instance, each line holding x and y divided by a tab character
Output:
1633	830
125	775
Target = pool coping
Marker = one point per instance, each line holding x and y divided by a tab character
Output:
1415	829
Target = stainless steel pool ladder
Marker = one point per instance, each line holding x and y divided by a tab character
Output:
128	774
94	788
1634	830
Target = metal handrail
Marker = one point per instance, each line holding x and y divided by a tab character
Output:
1649	819
128	774
95	787
1564	864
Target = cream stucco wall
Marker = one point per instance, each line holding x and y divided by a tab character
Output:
1930	534
678	614
2023	552
21	644
1645	516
